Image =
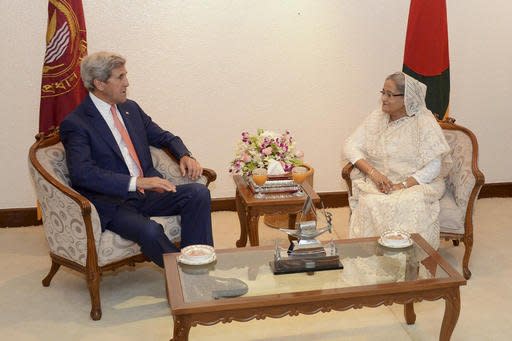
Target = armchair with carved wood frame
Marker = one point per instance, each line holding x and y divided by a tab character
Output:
462	187
72	225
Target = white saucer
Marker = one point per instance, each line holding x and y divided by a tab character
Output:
191	261
395	245
197	254
395	239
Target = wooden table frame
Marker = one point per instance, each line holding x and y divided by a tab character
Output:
187	315
250	209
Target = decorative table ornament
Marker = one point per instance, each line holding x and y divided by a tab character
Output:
306	254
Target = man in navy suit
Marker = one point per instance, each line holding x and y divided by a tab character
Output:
107	139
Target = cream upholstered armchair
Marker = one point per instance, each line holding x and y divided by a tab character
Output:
72	225
462	187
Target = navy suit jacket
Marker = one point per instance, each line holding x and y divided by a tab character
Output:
96	166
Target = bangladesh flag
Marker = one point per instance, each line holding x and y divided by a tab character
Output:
426	55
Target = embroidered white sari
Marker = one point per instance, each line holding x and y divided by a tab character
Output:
399	149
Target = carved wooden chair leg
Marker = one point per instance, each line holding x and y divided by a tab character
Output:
468	243
93	282
410	315
55	266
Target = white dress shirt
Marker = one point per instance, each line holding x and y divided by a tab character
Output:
104	109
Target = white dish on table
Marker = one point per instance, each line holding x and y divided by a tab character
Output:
197	254
395	239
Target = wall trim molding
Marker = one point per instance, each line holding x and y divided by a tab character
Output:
223	204
17	217
496	190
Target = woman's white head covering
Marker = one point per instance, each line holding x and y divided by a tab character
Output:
433	141
414	96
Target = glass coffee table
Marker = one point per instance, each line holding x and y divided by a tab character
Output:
373	275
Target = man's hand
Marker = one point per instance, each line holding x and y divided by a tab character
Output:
155	184
190	167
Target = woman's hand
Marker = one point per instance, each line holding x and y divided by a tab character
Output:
384	185
409	182
397	187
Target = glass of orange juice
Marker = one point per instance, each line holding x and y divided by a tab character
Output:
299	175
259	176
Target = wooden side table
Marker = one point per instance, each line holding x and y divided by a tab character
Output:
249	209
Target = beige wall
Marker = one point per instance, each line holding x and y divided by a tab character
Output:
207	70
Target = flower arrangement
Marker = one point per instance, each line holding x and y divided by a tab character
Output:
257	151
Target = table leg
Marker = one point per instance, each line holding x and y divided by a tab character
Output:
252	226
411	274
181	329
242	217
410	315
451	314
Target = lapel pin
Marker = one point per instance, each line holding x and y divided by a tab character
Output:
127	113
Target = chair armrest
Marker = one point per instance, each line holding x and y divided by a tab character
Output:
168	166
465	178
74	215
210	175
72	227
345	174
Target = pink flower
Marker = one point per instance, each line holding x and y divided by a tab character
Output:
245	137
259	149
267	151
246	157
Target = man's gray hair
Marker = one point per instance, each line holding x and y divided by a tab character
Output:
399	79
99	66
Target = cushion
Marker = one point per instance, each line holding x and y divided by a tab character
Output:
114	248
451	217
461	179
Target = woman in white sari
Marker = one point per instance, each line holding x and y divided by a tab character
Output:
403	156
